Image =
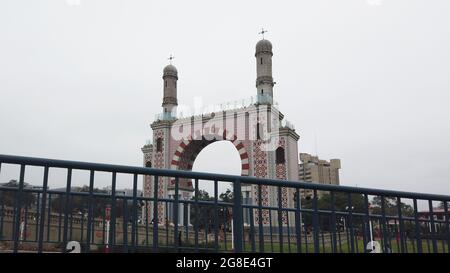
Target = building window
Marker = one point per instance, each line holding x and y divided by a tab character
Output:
148	164
262	92
279	155
261	60
159	145
258	131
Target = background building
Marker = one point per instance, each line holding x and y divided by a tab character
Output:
316	170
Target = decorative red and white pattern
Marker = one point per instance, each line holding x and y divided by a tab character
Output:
280	170
189	148
159	164
260	171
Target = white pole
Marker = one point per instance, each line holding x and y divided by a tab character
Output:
107	229
371	233
107	233
22	224
22	228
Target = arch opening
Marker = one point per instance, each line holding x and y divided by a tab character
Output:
217	157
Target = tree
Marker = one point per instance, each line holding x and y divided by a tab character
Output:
391	206
8	198
227	196
80	204
202	217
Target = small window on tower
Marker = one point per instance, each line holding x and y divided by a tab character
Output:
262	92
261	60
279	156
159	145
258	131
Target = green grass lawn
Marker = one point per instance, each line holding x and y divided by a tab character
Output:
344	247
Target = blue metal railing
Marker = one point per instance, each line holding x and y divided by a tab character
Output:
312	217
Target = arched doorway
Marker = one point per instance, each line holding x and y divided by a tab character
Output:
217	157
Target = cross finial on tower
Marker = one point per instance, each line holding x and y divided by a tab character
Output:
171	58
262	32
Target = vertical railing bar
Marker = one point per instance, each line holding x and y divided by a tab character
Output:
155	214
417	227
386	245
322	233
350	222
355	235
1	209
90	211
216	215
60	222
37	217
260	220
71	219
25	228
42	217
252	230
393	230
298	222
66	207
125	224
205	217
340	241
306	238
333	221
18	206
413	242
112	228
315	223
103	226
166	222
135	208
447	227
175	213
196	224
401	226
367	220
347	232
186	218
433	227
237	217
49	218
2	215
225	227
271	231
146	223
280	219
288	231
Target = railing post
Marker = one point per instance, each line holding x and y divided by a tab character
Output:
237	217
155	214
18	206
42	209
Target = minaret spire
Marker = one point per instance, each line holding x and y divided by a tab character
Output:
170	77
264	80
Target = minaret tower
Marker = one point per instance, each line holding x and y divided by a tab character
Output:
170	77
264	80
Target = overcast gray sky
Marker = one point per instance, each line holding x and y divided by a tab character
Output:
369	79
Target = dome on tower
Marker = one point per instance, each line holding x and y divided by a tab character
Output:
264	46
170	70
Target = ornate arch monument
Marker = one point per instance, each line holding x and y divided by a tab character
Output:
266	143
